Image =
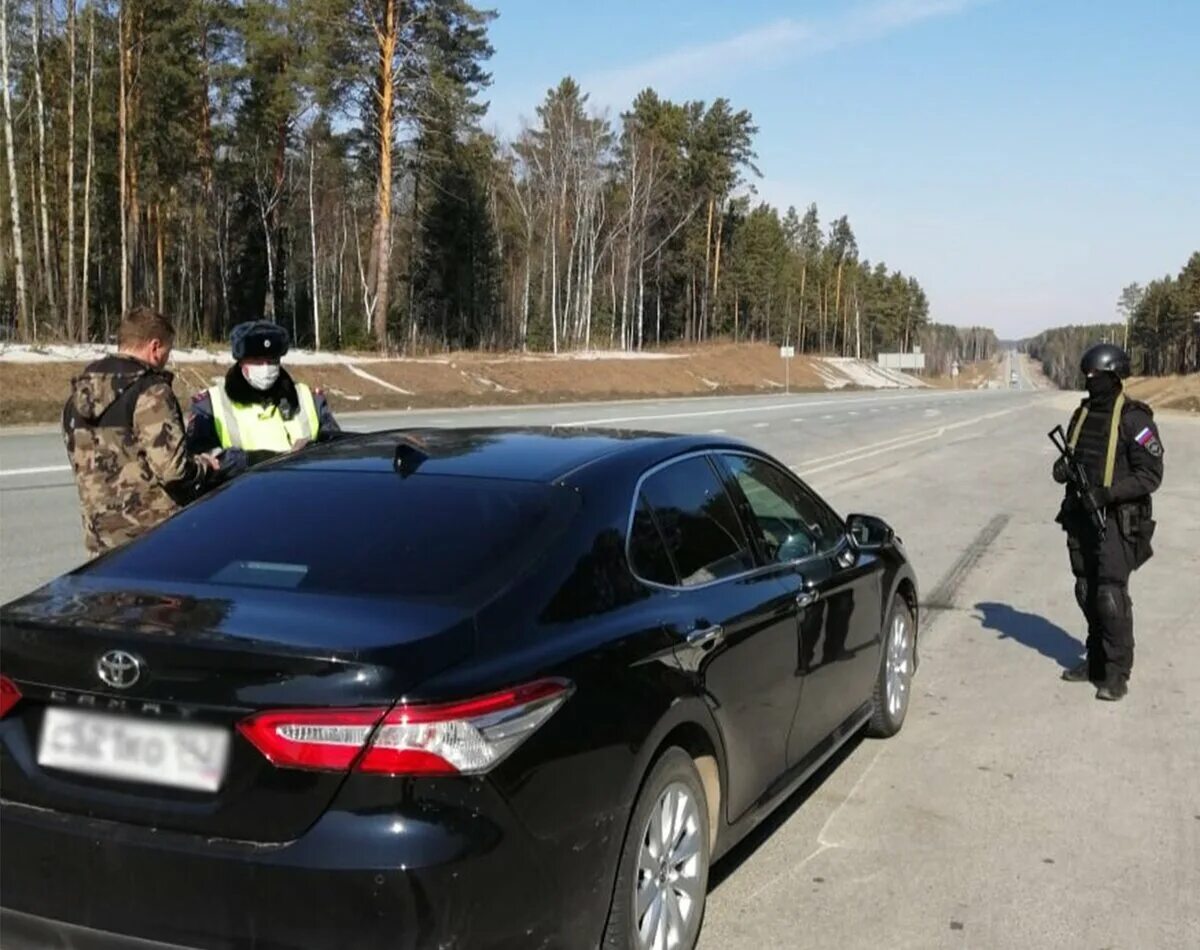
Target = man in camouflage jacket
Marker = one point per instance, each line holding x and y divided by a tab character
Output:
125	438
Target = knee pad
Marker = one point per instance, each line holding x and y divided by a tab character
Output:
1081	593
1112	603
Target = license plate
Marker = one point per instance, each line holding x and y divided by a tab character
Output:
133	750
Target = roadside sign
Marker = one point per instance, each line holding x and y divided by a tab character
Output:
787	352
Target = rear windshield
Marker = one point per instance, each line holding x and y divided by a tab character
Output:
361	533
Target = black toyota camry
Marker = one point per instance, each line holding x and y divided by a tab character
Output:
465	688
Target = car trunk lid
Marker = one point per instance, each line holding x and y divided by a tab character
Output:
205	657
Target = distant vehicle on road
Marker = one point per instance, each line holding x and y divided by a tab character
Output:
485	688
1013	380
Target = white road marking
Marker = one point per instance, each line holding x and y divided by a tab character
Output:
716	431
798	420
742	410
41	470
890	445
761	425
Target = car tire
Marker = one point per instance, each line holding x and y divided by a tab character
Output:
893	685
662	878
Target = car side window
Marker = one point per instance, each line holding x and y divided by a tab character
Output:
699	524
647	551
792	522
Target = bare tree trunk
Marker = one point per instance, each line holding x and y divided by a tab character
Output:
43	199
159	255
716	288
857	327
14	199
269	301
312	229
800	327
84	313
70	170
387	37
641	305
554	282
707	269
528	279
837	302
123	145
207	226
612	291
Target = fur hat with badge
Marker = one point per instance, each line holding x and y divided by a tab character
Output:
259	340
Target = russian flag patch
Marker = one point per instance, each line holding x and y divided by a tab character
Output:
1148	440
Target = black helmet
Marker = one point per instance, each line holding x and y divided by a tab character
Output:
259	339
1106	358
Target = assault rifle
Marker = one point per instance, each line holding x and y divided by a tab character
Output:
1078	481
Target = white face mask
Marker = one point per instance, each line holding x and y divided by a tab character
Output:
262	376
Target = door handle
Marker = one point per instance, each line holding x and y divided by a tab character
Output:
806	598
705	637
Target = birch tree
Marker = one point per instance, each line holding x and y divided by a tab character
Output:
14	198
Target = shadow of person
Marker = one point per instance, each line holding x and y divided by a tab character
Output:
1030	630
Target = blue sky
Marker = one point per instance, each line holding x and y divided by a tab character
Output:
1025	159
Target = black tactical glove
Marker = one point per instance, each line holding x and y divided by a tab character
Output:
1061	472
233	462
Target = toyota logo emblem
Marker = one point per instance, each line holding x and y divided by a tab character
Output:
119	669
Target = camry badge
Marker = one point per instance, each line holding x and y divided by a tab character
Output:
119	669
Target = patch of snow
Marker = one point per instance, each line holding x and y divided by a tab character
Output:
830	378
486	383
363	374
86	352
871	375
586	355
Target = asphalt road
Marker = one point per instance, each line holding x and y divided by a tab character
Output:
1013	810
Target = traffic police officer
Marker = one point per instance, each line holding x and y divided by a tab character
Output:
258	409
1115	439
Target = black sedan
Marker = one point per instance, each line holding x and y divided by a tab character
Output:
486	688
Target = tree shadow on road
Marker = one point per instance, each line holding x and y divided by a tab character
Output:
1033	631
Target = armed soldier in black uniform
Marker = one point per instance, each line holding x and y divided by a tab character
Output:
1107	513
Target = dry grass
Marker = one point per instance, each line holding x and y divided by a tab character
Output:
34	393
1167	392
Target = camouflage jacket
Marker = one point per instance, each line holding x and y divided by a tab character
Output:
125	439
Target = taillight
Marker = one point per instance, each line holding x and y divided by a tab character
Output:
10	695
464	738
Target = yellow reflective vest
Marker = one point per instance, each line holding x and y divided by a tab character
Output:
254	427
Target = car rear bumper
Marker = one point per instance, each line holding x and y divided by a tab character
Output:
354	880
26	932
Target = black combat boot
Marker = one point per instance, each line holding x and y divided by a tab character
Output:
1082	673
1113	689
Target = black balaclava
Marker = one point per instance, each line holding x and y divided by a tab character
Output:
1103	388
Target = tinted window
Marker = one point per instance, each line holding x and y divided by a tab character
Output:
793	523
647	552
698	522
353	533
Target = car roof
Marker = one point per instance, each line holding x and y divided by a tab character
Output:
537	454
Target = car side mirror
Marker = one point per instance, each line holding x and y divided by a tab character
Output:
869	533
